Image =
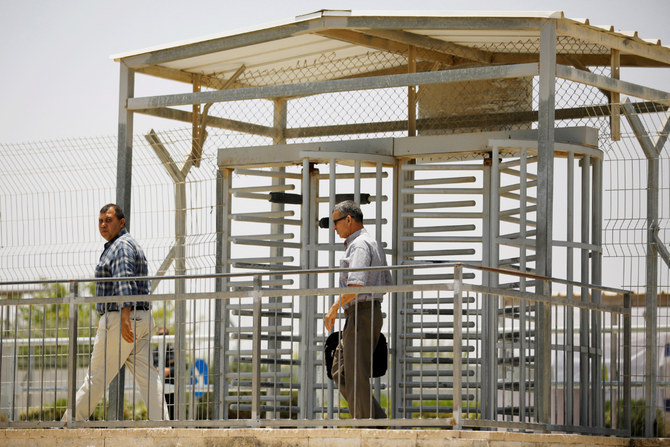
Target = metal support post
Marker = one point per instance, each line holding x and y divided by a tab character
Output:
72	357
458	340
223	185
651	319
545	146
596	278
124	174
256	351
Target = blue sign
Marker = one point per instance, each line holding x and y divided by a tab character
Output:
199	376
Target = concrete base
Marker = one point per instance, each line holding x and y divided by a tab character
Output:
302	438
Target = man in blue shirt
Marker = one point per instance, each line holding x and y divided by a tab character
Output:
123	336
352	362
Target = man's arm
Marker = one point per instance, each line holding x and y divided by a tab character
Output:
331	316
123	265
126	328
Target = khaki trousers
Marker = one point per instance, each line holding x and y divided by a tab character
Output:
110	352
352	363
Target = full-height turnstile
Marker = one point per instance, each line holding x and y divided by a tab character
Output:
434	199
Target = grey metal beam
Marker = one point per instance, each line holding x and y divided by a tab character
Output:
124	174
339	85
651	313
661	248
614	85
640	132
663	134
622	43
383	44
419	22
545	173
212	121
201	48
124	167
596	295
430	43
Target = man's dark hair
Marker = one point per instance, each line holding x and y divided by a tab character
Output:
350	208
117	210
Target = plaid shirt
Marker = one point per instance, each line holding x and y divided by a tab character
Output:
122	257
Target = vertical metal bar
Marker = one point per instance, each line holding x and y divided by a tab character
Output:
124	168
584	324
458	340
378	234
305	370
256	351
615	118
397	342
411	94
545	146
223	197
4	317
43	357
627	352
490	314
332	190
596	278
15	365
569	320
279	125
651	313
72	358
180	305
523	198
312	212
197	137
31	358
124	174
378	201
357	181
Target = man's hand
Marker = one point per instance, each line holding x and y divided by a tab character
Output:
331	316
126	328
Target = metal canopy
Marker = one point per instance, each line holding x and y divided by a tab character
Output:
449	39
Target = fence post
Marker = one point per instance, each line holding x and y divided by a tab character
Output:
256	352
627	363
458	374
72	350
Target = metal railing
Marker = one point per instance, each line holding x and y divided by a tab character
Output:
253	356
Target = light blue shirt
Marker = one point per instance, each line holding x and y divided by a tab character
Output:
362	250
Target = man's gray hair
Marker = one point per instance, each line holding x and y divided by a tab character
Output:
350	208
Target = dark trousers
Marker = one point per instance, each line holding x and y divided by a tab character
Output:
169	400
352	363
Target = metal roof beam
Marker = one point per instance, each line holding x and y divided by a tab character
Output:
432	44
181	76
212	121
609	40
377	43
339	85
217	44
614	85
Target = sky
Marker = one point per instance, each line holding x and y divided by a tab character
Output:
57	79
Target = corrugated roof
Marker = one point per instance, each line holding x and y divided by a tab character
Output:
445	38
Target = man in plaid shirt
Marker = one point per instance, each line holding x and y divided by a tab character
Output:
123	336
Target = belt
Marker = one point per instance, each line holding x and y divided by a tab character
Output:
134	307
142	307
362	306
